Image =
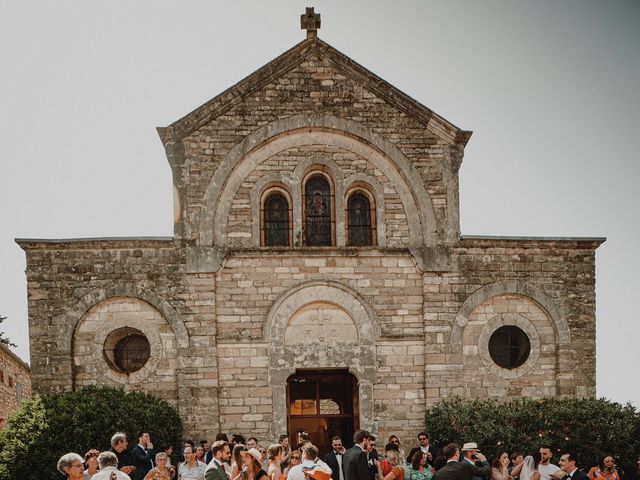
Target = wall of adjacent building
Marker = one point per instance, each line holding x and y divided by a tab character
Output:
15	383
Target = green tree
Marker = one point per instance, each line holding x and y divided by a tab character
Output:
47	427
589	427
4	340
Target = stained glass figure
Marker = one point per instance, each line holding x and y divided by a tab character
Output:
317	221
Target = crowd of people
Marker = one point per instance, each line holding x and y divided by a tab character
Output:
246	459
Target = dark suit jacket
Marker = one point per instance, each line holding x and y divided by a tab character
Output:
577	475
354	464
331	460
142	460
215	472
462	471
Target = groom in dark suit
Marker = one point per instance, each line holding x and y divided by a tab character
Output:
142	456
355	459
335	458
568	466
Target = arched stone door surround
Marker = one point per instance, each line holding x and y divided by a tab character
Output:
358	356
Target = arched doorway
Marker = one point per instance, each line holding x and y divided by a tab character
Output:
322	403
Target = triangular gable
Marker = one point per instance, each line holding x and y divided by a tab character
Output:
291	59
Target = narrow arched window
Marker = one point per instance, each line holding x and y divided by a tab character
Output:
276	220
359	220
317	212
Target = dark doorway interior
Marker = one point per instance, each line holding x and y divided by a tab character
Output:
322	403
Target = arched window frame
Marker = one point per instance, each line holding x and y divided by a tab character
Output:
269	190
332	198
364	190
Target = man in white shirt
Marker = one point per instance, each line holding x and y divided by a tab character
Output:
545	467
311	461
191	468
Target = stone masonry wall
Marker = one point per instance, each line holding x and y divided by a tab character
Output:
15	383
244	214
66	279
546	285
316	85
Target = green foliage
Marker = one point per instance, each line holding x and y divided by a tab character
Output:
4	340
588	427
46	428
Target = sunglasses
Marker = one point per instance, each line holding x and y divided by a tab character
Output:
295	457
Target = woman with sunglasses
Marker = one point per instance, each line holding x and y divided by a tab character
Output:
295	458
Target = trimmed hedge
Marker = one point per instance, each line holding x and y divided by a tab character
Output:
588	427
45	428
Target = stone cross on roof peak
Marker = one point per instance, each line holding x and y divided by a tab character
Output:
310	21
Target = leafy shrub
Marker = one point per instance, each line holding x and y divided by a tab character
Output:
47	427
588	427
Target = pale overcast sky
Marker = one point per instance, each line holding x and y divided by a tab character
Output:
549	88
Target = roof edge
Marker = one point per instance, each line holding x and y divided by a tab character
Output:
597	240
15	357
290	59
25	242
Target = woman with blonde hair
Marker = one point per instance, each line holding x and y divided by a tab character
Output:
397	472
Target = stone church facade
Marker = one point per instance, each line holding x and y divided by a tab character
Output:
317	279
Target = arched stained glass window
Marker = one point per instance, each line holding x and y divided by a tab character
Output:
317	212
359	220
276	220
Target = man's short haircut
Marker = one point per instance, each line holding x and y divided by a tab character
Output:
253	438
236	438
439	462
336	437
423	434
282	437
571	456
310	451
450	450
67	460
515	455
217	446
107	459
372	438
222	436
547	446
360	436
190	442
141	433
202	442
117	438
165	446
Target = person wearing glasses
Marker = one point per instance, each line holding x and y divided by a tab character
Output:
295	458
423	441
71	465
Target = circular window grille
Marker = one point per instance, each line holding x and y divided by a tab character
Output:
509	347
127	350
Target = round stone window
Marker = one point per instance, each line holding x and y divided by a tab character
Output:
509	346
127	350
